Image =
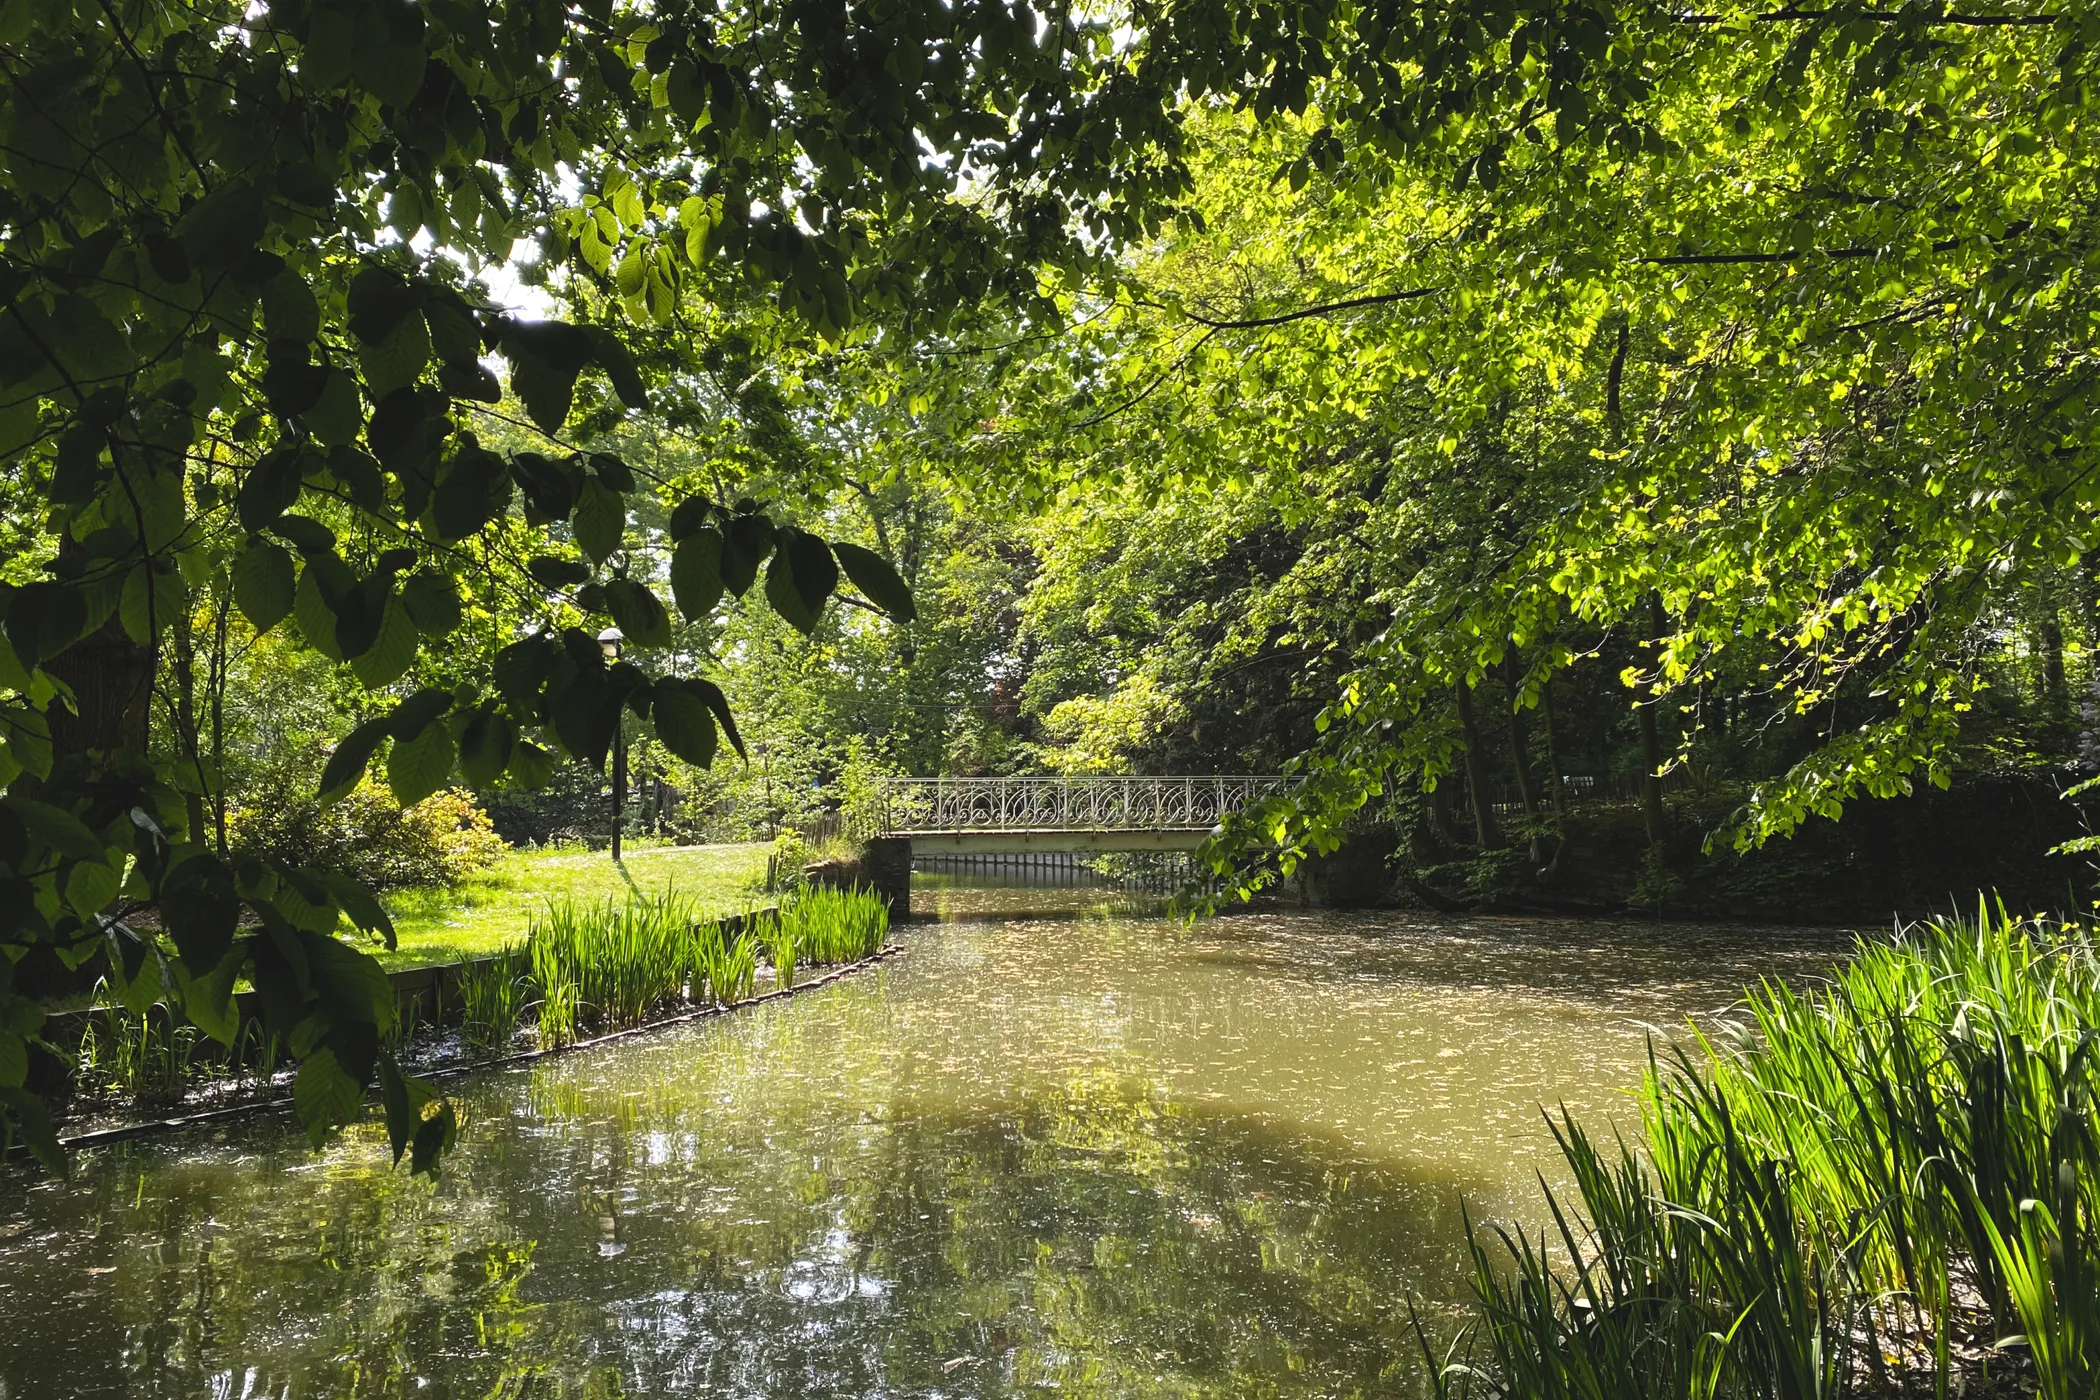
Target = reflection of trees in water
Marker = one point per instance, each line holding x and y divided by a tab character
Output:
1099	1237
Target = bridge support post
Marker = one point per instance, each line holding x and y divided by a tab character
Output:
885	863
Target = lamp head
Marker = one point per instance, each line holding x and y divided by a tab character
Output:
609	642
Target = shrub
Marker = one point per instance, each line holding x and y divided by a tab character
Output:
439	841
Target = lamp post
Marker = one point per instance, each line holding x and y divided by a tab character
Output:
609	642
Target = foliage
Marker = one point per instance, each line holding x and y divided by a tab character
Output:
612	965
1885	1172
821	925
370	837
493	994
1745	353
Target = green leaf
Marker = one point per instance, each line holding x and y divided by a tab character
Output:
264	583
612	356
399	360
432	602
403	1105
800	579
28	735
688	516
531	765
745	546
420	766
687	91
600	520
639	612
392	652
378	302
485	746
338	414
315	618
545	358
269	488
877	581
14	1059
31	1121
351	757
153	596
359	905
556	574
719	703
434	1138
696	573
91	885
388	57
200	907
324	1095
289	309
684	723
207	1001
55	827
425	707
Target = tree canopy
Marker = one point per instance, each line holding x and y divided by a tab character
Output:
1747	346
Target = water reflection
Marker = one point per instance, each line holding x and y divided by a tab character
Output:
1100	1154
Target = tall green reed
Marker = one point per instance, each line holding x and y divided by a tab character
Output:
612	966
493	997
835	926
1871	1172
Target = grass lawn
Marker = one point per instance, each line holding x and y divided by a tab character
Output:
479	917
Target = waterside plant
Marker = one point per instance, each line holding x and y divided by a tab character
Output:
835	926
1877	1187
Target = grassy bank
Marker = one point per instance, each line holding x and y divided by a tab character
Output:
1887	1186
494	908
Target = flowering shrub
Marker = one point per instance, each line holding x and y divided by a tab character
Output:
439	841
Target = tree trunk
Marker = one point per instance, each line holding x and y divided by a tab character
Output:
190	752
216	691
2052	648
111	678
1651	741
1520	748
1441	820
1484	828
1558	787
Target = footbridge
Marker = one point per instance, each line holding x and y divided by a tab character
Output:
959	816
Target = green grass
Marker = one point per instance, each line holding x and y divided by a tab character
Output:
482	916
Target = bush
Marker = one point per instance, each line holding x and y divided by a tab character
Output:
439	841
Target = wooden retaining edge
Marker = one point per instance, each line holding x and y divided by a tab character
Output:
219	1115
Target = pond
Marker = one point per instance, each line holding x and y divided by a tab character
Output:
1083	1151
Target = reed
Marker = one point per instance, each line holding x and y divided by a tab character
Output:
493	997
779	937
834	926
724	967
1874	1177
146	1057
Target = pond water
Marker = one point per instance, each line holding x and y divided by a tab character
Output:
1073	1150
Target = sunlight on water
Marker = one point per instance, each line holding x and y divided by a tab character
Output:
1083	1151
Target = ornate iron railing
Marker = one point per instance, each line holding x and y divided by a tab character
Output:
912	805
